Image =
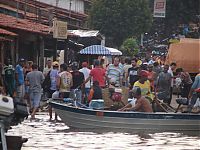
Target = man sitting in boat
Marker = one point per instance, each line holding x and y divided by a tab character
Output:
141	104
144	84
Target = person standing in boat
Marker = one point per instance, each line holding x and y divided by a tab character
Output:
164	85
141	104
34	80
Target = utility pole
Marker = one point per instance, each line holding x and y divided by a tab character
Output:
17	10
70	7
25	9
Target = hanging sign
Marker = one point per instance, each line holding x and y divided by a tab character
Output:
59	29
159	8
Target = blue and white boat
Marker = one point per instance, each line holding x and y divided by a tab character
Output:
83	118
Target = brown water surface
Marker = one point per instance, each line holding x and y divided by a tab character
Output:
46	135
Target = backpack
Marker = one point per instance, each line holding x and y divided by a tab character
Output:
47	82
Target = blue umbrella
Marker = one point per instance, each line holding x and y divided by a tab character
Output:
95	50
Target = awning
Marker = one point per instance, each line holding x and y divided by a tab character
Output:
85	33
100	50
114	52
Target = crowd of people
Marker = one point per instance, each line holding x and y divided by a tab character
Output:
142	77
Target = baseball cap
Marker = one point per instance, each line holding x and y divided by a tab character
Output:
21	60
143	73
55	63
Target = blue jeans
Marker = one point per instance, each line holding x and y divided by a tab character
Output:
192	101
76	95
20	90
87	91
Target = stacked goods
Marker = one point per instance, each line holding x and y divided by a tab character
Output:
107	97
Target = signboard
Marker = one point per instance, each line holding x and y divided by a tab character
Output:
159	8
59	29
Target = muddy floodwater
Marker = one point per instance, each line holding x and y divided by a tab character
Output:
50	135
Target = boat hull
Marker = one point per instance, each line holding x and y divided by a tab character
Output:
86	118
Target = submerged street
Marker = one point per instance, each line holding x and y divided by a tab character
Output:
45	135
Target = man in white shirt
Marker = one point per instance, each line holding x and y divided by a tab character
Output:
86	73
47	68
171	70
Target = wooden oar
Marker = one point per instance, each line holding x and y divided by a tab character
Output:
159	103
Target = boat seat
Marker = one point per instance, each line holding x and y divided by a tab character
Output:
181	101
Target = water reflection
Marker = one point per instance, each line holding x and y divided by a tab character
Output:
46	135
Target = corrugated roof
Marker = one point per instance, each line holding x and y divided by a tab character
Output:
4	39
22	24
5	32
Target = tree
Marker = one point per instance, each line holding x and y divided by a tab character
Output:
120	19
130	47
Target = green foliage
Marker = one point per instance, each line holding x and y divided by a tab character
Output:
130	47
120	19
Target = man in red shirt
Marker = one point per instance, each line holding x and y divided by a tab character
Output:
97	74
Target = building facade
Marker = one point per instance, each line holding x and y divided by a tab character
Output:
28	24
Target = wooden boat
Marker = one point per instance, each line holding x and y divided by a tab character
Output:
78	117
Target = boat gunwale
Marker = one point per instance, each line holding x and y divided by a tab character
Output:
121	114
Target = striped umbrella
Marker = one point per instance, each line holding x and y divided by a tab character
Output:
95	50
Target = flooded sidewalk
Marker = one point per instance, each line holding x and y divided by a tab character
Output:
50	135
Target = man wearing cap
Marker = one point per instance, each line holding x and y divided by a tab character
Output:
19	77
53	77
144	84
141	104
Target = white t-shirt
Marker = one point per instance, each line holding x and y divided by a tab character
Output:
132	101
172	74
86	73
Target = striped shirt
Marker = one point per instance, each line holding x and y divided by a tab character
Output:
115	72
